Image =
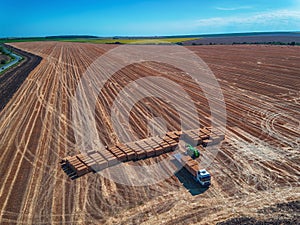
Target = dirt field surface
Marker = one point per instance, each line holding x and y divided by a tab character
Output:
286	213
249	39
255	174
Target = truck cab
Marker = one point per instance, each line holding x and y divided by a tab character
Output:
203	177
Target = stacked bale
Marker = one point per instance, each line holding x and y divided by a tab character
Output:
191	165
88	161
110	158
193	137
153	147
119	154
130	154
140	153
77	165
173	143
145	148
204	136
100	162
161	145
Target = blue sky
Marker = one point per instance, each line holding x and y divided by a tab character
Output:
152	17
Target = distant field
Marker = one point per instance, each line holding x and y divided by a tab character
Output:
205	39
107	40
132	40
292	39
10	40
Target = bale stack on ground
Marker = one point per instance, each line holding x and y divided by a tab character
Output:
190	164
82	164
204	136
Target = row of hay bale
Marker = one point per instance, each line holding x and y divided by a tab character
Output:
204	136
141	149
77	165
190	164
112	155
150	147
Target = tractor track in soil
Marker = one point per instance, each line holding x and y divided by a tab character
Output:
256	166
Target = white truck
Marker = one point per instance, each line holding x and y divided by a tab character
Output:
200	175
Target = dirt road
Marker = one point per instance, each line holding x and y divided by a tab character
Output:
12	79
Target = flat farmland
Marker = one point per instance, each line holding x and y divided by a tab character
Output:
255	173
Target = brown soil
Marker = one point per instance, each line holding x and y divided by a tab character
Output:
256	168
281	214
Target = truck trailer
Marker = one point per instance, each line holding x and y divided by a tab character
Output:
200	175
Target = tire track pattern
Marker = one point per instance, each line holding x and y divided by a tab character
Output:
257	165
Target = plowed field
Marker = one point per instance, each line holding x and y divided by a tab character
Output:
257	166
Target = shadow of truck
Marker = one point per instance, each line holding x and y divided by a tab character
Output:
188	181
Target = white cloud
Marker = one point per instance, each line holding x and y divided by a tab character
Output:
233	8
274	19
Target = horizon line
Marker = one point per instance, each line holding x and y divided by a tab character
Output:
147	36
